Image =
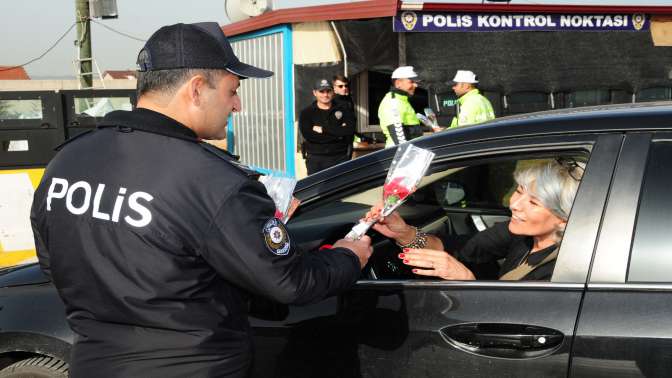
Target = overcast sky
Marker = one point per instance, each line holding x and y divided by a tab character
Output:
30	27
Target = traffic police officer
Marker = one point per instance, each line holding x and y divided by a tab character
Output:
473	107
328	129
155	240
397	117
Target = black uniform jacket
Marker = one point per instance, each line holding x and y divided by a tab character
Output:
498	242
327	132
346	101
154	240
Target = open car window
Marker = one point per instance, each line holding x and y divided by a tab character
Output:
455	200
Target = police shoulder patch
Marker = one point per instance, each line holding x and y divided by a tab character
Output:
276	237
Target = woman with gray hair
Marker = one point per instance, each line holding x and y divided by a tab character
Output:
528	243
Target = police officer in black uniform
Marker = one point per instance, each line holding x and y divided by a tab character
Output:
328	129
341	86
155	240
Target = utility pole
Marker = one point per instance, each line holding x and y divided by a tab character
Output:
84	60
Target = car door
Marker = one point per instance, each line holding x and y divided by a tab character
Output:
401	326
624	329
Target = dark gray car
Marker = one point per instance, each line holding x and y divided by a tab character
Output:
605	312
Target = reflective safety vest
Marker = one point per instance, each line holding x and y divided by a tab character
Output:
396	110
474	108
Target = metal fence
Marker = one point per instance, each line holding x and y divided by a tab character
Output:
262	133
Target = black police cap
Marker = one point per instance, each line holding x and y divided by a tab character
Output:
322	84
199	45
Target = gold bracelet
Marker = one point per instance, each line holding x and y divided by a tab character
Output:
419	241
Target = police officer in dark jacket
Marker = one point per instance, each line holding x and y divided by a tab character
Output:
327	128
155	240
343	98
342	95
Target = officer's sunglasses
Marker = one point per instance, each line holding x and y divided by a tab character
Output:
573	168
341	85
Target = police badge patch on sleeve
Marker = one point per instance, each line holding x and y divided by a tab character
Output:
276	237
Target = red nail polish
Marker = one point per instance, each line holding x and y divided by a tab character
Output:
401	255
406	249
405	261
415	271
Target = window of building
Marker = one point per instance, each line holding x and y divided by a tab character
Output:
21	109
588	98
654	94
100	106
526	102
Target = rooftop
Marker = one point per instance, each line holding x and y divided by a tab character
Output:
124	75
388	8
13	73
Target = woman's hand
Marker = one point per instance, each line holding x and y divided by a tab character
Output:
430	262
392	226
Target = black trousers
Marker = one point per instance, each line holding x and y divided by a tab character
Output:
316	163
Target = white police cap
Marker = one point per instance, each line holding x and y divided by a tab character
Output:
464	76
404	72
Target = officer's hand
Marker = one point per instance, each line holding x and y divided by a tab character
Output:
362	248
392	226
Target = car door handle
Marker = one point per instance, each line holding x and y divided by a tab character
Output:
503	340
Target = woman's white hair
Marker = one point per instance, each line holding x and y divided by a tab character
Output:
553	183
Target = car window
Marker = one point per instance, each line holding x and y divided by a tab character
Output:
650	259
454	201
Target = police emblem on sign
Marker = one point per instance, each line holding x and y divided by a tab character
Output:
409	19
276	237
638	20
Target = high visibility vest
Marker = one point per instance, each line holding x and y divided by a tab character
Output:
474	108
395	110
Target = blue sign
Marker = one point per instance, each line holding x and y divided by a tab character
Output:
410	21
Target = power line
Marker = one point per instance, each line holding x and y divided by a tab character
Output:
117	31
44	53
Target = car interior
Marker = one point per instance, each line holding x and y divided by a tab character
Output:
455	199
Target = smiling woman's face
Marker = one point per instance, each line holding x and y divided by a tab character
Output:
530	217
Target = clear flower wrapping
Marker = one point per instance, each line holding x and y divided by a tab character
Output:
280	189
409	165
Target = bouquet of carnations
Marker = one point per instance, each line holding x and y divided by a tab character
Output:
280	190
409	165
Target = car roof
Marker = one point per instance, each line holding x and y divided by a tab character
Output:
593	119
